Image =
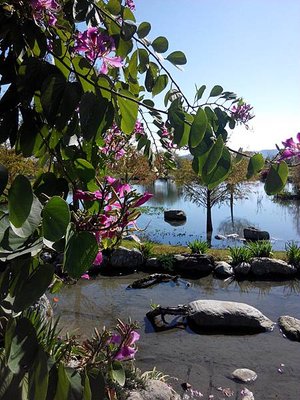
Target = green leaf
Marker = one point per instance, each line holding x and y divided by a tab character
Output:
213	156
149	80
86	73
128	30
221	171
56	218
94	385
92	112
69	384
198	128
256	164
81	251
128	110
80	10
118	373
3	178
277	178
143	60
85	171
32	222
200	92
176	117
160	44
20	198
143	29
34	287
114	7
177	58
21	345
51	94
38	377
68	103
216	91
160	84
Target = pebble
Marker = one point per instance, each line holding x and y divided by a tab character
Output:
244	375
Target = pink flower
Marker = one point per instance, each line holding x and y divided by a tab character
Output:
99	258
128	349
241	113
97	45
146	196
130	4
85	276
292	149
45	8
139	128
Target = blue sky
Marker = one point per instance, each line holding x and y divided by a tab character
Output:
250	47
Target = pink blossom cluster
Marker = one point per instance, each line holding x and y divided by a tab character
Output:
118	204
114	143
124	342
292	148
241	112
45	9
167	138
139	128
130	4
97	46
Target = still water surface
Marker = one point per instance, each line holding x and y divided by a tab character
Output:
206	361
280	219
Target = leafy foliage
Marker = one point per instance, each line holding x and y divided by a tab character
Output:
198	246
239	255
293	254
260	248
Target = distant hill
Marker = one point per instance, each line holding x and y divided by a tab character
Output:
268	153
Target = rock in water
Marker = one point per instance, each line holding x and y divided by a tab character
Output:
154	390
264	266
244	375
290	326
254	234
227	316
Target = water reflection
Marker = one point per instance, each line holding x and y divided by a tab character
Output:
293	207
227	227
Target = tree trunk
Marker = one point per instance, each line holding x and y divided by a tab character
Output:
209	227
231	207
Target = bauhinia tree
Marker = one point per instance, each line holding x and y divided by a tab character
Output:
78	78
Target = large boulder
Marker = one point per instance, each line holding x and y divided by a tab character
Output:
269	267
193	265
242	269
154	390
254	234
223	269
174	215
290	326
126	259
227	316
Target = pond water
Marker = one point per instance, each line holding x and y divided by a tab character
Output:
280	218
205	361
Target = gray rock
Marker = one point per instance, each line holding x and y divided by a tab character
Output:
223	269
242	269
247	394
227	315
220	237
152	262
290	326
174	215
254	234
126	259
155	390
193	265
244	375
264	266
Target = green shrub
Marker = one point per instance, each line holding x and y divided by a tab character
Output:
198	246
261	248
239	255
293	253
146	248
166	261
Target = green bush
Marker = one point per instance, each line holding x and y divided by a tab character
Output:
146	249
261	248
239	255
166	261
198	246
293	253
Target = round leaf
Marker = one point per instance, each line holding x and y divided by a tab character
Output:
56	218
20	198
255	165
160	44
198	128
216	91
143	29
84	169
277	178
177	58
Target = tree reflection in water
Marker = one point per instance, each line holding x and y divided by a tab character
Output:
265	287
227	227
293	208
